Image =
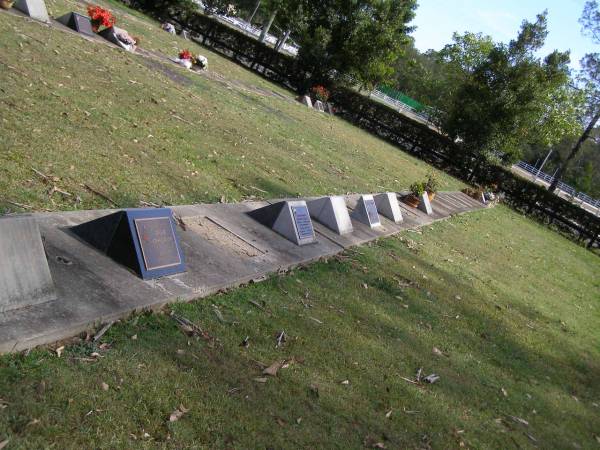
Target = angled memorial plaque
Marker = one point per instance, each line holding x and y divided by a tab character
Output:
387	205
331	212
307	101
25	278
77	22
425	204
145	240
36	9
319	106
289	219
366	211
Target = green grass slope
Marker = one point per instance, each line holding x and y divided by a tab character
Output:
512	308
137	129
518	332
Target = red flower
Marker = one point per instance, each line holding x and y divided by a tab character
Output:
320	93
185	54
102	16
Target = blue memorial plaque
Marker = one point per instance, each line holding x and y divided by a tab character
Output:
144	240
303	222
157	242
372	211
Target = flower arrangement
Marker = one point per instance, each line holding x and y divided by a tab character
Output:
100	17
432	184
320	93
186	54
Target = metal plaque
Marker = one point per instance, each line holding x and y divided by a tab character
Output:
157	241
303	222
372	211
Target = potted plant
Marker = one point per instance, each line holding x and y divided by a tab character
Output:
432	185
6	4
417	189
100	17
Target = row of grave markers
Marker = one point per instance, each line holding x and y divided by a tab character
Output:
36	9
146	241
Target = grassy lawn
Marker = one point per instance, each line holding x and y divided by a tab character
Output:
511	308
518	332
136	129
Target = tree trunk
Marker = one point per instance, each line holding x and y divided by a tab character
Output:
283	40
251	18
267	26
584	137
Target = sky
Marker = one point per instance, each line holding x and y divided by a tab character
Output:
436	20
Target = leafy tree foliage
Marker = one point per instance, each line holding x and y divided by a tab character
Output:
590	79
357	40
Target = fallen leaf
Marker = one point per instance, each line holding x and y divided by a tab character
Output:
134	337
437	352
260	380
178	413
346	382
504	392
272	369
104	386
379	445
3	444
59	350
388	414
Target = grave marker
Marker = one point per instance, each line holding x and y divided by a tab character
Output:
307	101
387	205
110	34
289	219
319	106
425	204
25	278
77	22
145	240
36	9
331	212
366	211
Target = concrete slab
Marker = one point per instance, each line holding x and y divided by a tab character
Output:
223	248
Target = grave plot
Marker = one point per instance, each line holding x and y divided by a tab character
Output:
99	266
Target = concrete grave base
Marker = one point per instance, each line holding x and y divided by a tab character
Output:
307	101
366	211
388	206
425	204
331	212
36	9
25	278
223	247
285	218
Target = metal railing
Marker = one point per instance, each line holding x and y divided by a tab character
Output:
569	190
397	104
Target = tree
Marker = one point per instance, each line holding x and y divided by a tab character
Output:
498	98
590	78
353	41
